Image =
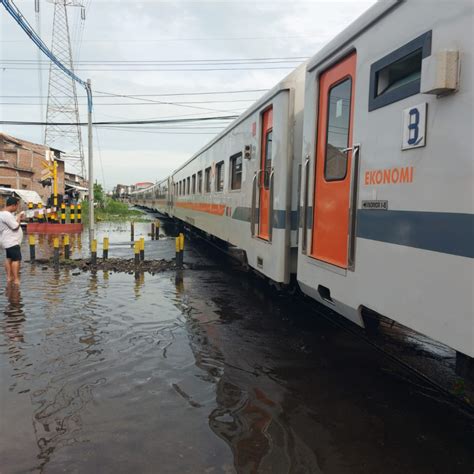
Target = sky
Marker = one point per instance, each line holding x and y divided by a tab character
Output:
151	49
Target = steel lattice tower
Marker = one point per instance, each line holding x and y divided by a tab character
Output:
62	94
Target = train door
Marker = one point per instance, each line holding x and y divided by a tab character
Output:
330	236
264	175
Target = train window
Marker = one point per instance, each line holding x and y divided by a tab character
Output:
207	184
398	75
188	185
179	188
339	100
199	182
236	171
220	176
193	184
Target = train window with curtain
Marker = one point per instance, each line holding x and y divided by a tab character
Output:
199	182
220	176
193	184
398	75
207	183
236	171
339	112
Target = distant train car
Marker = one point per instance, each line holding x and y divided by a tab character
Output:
242	186
355	174
388	170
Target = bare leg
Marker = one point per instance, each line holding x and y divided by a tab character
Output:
8	269
16	272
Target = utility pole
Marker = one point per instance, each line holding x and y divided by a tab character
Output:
90	163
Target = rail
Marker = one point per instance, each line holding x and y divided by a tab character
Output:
304	219
353	206
270	207
254	204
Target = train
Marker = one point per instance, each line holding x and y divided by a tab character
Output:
353	176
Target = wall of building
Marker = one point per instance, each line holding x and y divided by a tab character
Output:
21	166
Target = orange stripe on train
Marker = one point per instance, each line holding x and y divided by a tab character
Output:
217	209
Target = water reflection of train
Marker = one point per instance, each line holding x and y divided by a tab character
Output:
354	174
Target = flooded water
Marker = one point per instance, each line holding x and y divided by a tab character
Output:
205	371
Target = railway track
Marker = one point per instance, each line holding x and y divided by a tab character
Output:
419	380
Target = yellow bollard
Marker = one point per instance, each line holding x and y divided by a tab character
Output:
79	213
142	248
94	252
136	250
63	213
181	248
56	251
178	253
72	214
31	239
67	248
105	249
157	230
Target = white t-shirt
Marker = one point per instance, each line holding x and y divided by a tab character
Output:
10	230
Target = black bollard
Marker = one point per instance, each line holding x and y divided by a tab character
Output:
136	251
178	257
56	252
132	231
94	252
32	242
142	248
105	249
152	231
67	248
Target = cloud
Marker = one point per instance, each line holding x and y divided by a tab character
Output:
168	30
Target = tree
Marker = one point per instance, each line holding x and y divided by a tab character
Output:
99	195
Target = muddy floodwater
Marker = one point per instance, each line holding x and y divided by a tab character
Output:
204	371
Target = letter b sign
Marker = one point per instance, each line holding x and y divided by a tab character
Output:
414	127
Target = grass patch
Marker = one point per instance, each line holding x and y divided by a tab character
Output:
113	210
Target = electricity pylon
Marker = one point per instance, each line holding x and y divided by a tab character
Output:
62	94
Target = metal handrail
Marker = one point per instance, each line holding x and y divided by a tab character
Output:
270	207
353	206
254	203
304	219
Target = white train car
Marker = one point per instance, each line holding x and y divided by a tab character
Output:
387	190
242	186
155	197
379	126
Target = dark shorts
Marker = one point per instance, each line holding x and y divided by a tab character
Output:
14	253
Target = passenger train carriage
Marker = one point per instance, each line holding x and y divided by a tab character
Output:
355	174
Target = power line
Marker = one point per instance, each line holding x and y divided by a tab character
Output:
215	38
126	122
141	103
156	70
107	94
263	60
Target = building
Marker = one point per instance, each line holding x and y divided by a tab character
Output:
22	166
76	187
143	185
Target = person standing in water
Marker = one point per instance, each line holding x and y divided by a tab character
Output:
11	236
